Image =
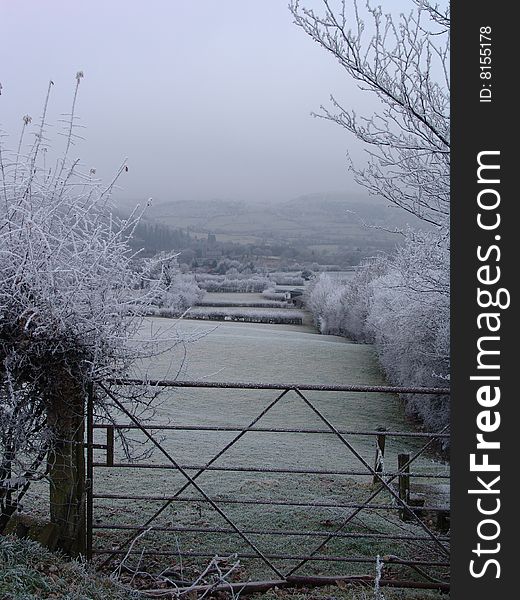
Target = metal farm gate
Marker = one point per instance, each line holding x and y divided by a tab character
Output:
253	493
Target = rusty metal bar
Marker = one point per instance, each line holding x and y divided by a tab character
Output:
261	501
157	427
278	386
246	588
319	580
239	469
253	587
306	558
284	532
190	479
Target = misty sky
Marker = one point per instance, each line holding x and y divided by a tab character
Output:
207	99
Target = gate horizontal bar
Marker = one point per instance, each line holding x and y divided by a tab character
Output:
307	558
263	501
284	532
303	580
253	587
263	470
279	386
149	426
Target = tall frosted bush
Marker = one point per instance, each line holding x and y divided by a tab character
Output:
68	316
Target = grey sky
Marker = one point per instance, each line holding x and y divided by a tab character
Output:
206	98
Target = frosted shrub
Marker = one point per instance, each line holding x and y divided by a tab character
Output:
271	294
67	313
332	317
183	293
323	299
224	283
179	290
357	297
409	321
401	304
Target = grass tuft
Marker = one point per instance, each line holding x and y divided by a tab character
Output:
29	571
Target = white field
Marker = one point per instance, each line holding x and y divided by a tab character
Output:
244	352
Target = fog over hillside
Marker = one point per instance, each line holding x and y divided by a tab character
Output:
327	225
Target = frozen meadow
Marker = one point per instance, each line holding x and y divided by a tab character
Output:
262	353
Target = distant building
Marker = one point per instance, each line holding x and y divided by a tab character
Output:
210	249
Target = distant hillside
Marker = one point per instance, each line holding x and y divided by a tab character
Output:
331	216
328	227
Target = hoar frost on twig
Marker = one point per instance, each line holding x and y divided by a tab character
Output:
400	301
67	309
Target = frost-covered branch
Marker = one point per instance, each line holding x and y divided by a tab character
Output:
68	315
404	62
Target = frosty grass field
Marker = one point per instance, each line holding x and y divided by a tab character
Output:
244	352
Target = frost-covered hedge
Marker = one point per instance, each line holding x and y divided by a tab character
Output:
179	290
183	293
283	316
259	304
401	304
223	283
271	294
286	279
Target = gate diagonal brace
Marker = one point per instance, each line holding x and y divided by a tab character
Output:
191	480
385	485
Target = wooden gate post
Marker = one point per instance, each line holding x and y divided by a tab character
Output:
89	522
66	461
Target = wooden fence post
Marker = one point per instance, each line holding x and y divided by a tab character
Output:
66	460
110	445
404	483
89	521
380	452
